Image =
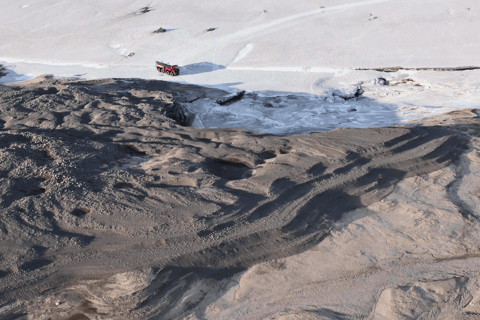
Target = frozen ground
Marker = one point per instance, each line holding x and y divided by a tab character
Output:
274	49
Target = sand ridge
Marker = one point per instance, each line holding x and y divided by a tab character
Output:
97	181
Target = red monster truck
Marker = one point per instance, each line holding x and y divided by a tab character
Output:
168	69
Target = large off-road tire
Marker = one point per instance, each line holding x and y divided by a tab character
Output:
159	70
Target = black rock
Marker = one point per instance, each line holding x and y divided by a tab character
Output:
160	30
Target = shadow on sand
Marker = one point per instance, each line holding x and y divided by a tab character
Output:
174	292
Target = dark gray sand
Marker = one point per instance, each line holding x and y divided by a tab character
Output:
2	72
97	182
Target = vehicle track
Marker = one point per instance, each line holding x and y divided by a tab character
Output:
273	26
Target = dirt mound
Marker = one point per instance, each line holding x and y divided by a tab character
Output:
96	181
426	300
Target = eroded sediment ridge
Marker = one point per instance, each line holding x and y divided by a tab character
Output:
96	180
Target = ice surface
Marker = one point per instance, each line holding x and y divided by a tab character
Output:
270	47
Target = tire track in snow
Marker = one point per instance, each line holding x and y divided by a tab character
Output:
54	63
242	54
336	71
212	49
253	31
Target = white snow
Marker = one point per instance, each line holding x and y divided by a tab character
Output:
273	48
243	52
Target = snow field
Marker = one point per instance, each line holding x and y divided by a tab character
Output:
269	47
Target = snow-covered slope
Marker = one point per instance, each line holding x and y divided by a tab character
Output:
300	34
309	46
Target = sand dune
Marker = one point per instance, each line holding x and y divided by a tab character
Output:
112	209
